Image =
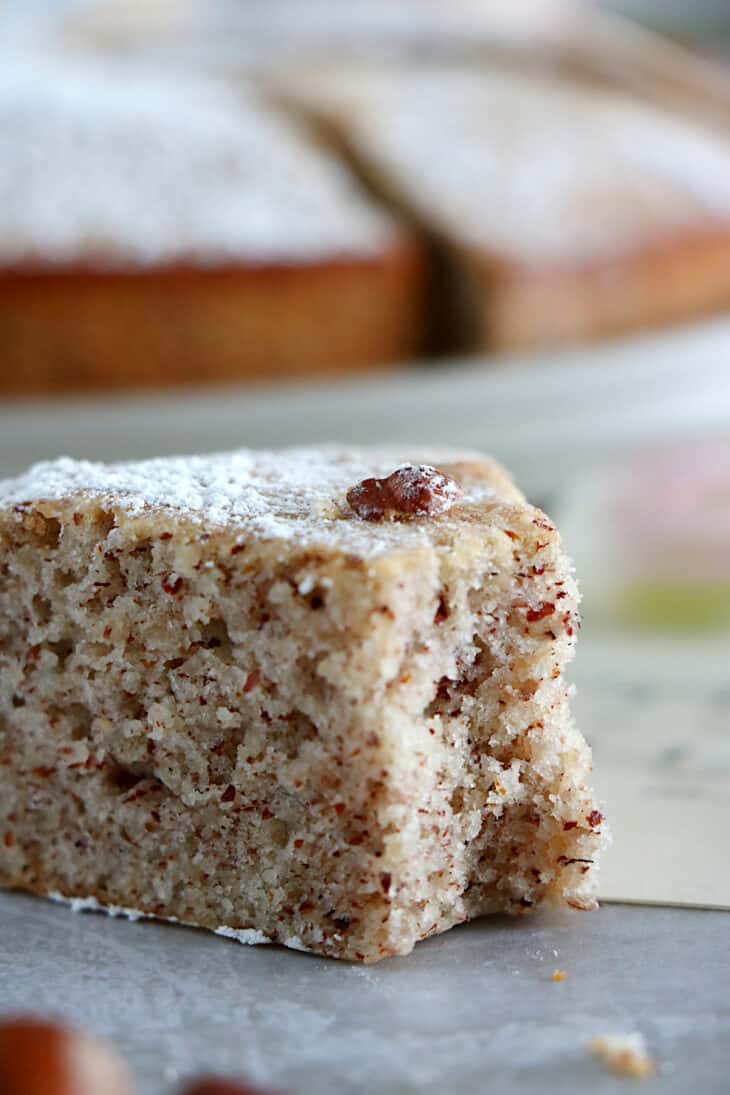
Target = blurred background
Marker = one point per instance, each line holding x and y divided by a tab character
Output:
499	225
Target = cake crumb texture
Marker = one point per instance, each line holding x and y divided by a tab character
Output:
624	1054
227	700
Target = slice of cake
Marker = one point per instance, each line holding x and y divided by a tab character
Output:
313	696
156	232
561	211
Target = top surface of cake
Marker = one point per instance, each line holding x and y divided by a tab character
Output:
535	168
297	494
105	169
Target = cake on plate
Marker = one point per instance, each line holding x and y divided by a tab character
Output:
159	232
558	211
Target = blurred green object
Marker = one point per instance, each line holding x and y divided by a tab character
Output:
651	541
676	608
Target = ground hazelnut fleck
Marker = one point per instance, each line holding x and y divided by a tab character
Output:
408	492
540	612
252	680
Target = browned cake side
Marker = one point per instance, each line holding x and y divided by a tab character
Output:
162	232
73	329
557	211
519	308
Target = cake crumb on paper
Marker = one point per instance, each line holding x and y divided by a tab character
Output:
559	975
624	1054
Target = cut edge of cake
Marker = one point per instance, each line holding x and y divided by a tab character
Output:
201	245
339	748
514	291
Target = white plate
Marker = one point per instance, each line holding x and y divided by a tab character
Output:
546	417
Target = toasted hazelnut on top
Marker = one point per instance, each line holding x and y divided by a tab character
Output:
408	492
38	1057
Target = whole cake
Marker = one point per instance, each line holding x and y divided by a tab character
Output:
156	232
313	696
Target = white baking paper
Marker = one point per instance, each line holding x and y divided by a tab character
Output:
657	713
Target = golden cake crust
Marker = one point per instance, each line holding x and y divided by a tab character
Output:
76	329
560	211
145	243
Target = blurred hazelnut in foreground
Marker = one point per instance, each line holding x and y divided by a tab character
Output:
38	1057
212	1085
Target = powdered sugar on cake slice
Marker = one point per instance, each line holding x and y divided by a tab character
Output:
248	936
295	494
91	904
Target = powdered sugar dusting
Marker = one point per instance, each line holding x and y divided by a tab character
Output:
108	171
293	494
408	492
411	481
249	936
294	943
91	904
536	169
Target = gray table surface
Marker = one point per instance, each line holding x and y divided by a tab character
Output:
472	1011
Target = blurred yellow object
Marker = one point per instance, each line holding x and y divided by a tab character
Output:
652	541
